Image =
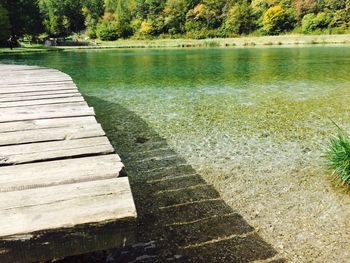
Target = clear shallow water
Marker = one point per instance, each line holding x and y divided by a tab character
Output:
252	121
203	100
222	108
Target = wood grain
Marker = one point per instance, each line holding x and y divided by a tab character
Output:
45	123
62	186
51	134
37	175
33	152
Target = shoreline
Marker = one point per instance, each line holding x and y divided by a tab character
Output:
261	41
223	42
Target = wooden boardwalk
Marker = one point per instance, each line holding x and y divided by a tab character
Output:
62	190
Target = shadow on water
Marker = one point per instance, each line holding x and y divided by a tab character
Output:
181	218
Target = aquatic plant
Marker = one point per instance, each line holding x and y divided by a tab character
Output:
338	155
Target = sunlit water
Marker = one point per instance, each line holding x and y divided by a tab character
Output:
253	121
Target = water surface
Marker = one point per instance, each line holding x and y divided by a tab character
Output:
253	121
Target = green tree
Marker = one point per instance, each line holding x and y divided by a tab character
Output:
214	12
92	11
196	18
312	22
123	18
107	31
115	23
303	7
277	20
259	7
341	18
4	25
175	16
148	17
24	16
240	19
62	17
207	15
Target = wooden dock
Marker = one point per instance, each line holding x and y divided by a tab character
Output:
62	189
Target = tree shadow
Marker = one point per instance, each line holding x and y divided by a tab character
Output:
181	218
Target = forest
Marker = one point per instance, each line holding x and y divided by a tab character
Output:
140	19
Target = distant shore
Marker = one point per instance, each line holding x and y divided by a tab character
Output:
199	43
28	49
226	42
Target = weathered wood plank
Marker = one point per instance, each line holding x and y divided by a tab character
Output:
52	134
10	74
37	175
18	67
44	83
64	206
41	102
46	107
59	187
32	82
45	112
45	124
29	70
33	152
20	79
23	89
38	95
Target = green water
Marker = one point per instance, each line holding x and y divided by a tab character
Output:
240	111
253	122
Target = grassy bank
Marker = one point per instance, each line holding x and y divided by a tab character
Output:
196	43
222	42
28	49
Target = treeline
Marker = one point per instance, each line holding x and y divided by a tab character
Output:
113	19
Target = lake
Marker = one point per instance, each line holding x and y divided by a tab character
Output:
253	122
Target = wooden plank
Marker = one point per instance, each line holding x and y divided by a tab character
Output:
52	134
33	79
26	70
41	102
33	152
31	71
29	176
44	83
38	95
23	89
19	67
45	124
65	206
59	187
45	112
46	107
36	83
10	74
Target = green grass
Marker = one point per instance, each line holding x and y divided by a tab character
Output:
27	49
246	41
338	155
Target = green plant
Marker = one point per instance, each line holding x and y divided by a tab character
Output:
107	31
239	19
312	22
338	156
211	43
277	20
4	25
